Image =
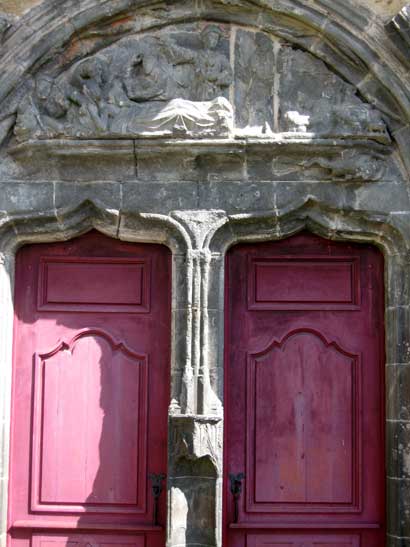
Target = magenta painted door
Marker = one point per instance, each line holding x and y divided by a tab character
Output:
90	394
305	395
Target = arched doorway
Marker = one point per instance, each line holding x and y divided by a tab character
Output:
90	393
304	417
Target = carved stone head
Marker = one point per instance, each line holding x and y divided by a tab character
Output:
211	35
90	73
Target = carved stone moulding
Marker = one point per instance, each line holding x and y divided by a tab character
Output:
398	28
193	437
284	157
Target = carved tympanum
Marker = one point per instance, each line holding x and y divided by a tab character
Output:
156	85
189	80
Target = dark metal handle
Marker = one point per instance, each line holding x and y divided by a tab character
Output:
156	480
236	491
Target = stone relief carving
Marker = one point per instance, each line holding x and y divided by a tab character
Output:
196	80
152	86
349	165
254	81
314	100
196	437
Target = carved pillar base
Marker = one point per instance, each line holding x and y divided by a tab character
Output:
195	450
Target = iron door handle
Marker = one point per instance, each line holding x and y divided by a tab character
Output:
157	487
236	491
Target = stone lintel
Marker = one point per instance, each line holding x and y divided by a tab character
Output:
284	157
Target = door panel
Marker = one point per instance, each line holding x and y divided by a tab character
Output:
90	398
305	390
301	425
90	392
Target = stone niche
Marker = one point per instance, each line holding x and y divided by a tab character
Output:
257	106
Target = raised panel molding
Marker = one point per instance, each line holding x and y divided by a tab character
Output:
86	431
79	284
293	386
308	283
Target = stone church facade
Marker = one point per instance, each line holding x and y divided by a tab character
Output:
199	125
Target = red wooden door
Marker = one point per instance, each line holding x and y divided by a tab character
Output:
90	393
305	392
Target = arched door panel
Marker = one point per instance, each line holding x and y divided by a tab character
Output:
304	394
90	393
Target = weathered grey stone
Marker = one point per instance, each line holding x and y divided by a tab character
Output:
356	15
286	159
193	437
201	224
397	278
401	220
393	492
398	334
20	197
103	195
402	136
6	23
254	81
398	382
178	82
236	197
336	163
395	196
399	519
393	399
193	503
382	100
394	541
190	160
328	108
181	296
398	29
216	281
172	165
398	443
182	365
348	67
152	197
162	85
194	457
76	160
6	125
215	326
214	166
333	196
